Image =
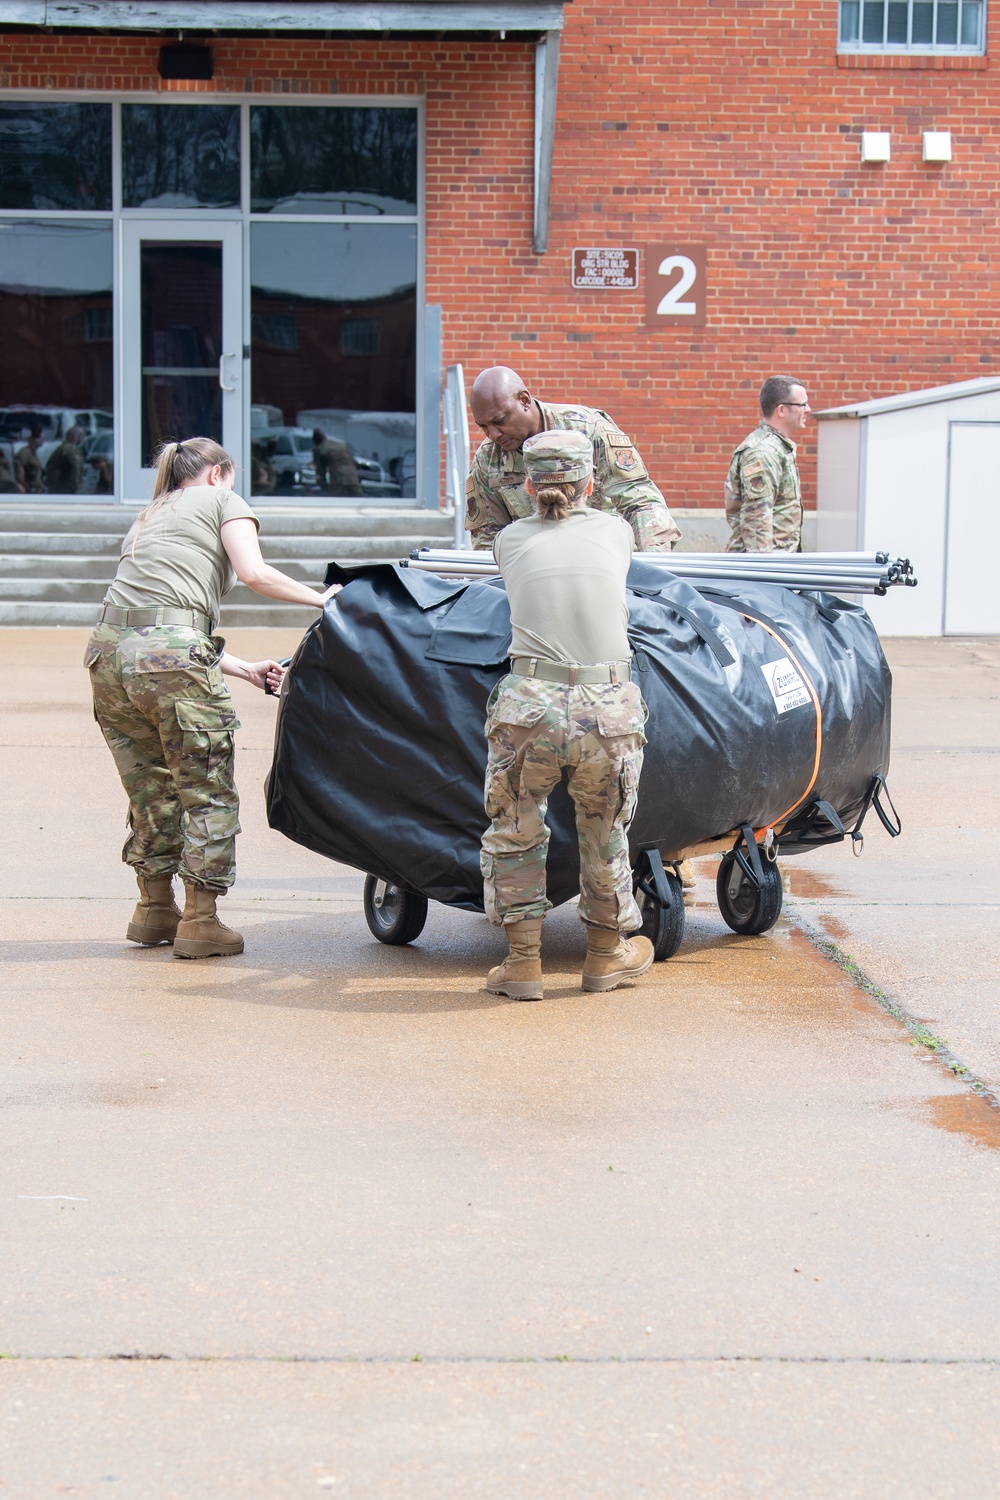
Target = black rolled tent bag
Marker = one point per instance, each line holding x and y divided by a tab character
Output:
768	729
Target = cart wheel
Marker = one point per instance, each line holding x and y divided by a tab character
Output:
749	910
663	925
393	915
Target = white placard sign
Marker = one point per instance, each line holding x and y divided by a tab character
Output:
787	688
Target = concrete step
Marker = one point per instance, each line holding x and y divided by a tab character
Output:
341	546
80	590
115	520
308	560
86	590
56	561
48	613
56	565
83	544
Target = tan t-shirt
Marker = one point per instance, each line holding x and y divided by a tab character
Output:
176	558
566	585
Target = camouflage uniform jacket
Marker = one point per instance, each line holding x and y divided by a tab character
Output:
496	494
763	496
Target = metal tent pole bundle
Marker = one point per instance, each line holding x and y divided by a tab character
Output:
836	572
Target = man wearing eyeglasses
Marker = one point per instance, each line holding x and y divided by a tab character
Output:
763	495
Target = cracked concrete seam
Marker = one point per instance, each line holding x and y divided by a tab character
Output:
937	1047
137	1357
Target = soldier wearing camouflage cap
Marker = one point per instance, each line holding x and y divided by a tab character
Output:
568	701
763	494
496	494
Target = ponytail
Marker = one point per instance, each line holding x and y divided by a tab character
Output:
177	464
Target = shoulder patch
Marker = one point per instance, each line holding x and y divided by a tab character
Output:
618	440
626	459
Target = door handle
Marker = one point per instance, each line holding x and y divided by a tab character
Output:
222	372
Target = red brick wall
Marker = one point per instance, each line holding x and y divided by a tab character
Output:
728	123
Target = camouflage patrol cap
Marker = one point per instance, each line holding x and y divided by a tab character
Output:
562	457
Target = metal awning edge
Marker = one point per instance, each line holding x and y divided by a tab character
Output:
293	15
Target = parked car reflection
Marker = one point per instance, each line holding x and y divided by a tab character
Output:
43	449
284	463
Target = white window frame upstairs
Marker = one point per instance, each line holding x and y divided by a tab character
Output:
853	9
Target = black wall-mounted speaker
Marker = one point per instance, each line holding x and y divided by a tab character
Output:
183	60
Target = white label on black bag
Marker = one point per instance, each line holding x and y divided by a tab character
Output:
787	688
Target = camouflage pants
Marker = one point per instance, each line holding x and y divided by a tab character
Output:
534	729
166	714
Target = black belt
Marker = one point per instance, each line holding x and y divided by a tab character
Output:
114	614
570	673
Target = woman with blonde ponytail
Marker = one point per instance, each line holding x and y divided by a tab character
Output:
568	702
157	671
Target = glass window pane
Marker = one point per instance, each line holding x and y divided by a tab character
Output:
55	156
923	23
180	156
850	19
333	329
897	22
333	161
181	301
874	21
947	25
971	12
56	375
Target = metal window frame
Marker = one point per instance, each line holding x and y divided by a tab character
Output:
117	216
910	49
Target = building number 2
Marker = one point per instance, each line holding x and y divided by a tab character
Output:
670	303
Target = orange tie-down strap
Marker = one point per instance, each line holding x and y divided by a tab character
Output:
777	822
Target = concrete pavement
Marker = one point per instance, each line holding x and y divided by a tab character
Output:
329	1217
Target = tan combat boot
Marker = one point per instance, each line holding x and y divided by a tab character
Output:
520	974
612	959
200	933
156	916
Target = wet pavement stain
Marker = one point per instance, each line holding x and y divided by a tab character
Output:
834	928
968	1115
807	883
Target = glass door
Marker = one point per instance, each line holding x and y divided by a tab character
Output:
182	344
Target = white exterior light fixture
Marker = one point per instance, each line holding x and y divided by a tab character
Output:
937	145
875	145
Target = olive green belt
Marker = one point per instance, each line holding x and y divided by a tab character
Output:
114	614
567	672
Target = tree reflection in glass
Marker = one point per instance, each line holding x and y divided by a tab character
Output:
55	156
180	155
333	161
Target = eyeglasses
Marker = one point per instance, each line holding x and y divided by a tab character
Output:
793	403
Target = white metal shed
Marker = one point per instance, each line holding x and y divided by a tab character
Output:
919	475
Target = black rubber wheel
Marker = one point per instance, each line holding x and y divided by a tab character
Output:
750	911
663	925
393	915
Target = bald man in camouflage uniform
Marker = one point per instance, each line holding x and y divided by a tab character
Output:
495	493
763	494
